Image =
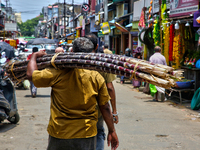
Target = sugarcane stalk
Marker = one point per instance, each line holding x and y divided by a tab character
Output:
104	62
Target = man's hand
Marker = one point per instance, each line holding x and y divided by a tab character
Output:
39	54
59	49
32	65
113	139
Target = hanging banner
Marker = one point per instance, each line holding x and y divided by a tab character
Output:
105	28
183	7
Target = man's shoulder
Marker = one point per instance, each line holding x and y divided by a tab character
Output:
92	73
107	51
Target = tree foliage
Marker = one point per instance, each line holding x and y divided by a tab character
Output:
28	28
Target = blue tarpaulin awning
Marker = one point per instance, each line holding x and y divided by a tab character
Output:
70	34
129	25
112	21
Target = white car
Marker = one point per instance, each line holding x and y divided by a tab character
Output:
28	49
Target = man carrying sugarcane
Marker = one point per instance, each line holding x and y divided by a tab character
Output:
108	79
75	92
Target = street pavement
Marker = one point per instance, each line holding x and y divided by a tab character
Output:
143	124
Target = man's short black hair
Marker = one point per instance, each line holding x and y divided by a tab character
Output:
83	44
105	46
35	49
93	38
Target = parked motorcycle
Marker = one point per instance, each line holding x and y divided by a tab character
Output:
8	103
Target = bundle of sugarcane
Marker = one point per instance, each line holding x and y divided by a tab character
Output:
160	75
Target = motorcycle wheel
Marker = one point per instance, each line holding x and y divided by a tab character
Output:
15	119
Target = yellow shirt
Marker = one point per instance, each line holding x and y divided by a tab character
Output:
74	97
107	51
108	77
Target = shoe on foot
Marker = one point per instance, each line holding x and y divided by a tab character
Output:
33	95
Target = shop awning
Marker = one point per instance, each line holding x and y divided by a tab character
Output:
70	34
129	25
120	27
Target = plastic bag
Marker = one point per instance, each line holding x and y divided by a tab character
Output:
153	89
26	84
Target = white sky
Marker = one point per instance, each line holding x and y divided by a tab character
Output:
34	7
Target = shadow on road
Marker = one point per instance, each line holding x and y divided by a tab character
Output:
4	127
41	96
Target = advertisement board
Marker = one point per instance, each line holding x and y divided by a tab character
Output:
183	7
10	26
105	28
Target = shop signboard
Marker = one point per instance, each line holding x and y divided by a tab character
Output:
105	28
92	25
116	1
183	7
100	34
156	5
117	31
137	8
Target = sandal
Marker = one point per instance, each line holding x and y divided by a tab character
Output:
155	100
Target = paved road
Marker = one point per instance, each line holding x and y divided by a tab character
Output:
143	124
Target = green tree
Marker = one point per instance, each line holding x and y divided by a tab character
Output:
28	28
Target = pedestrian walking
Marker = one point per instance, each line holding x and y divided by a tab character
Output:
109	78
106	50
128	54
138	55
74	96
158	58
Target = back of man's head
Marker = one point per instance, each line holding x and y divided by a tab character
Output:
105	46
83	44
157	49
35	49
92	37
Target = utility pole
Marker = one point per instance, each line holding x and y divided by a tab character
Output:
58	19
106	37
52	24
73	19
6	8
64	20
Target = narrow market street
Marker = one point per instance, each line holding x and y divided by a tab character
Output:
143	124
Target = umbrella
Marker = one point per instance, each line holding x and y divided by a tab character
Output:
37	41
30	42
9	50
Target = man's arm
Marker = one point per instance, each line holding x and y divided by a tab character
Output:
111	92
32	65
108	118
